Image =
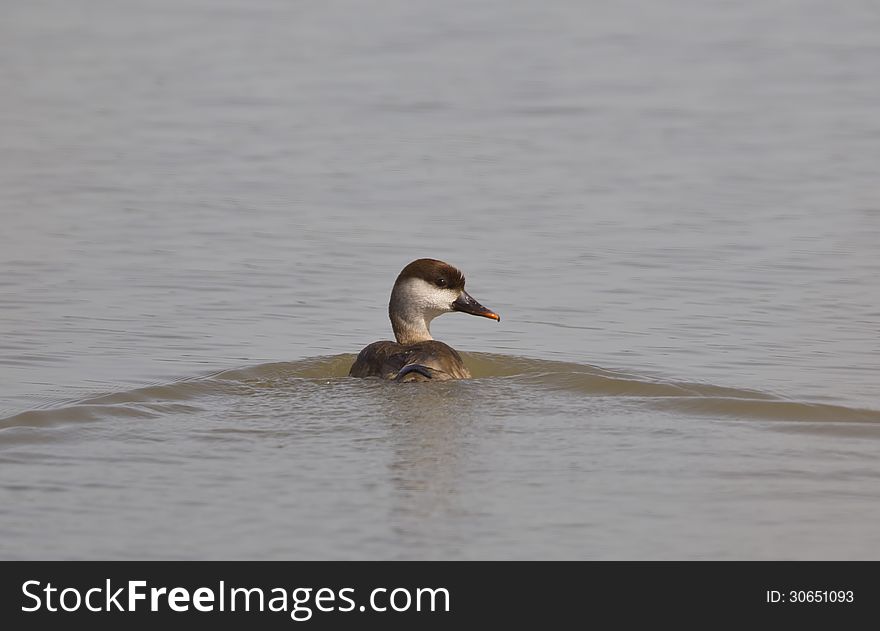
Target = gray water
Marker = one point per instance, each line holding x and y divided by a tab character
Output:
673	206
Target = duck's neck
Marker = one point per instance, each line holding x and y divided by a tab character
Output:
408	319
409	330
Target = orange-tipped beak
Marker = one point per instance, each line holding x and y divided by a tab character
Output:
466	304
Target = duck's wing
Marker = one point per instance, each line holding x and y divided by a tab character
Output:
432	361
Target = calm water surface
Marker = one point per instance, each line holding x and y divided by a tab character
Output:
674	207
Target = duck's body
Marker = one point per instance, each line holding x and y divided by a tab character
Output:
424	289
422	361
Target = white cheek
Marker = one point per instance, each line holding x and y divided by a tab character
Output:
444	299
430	297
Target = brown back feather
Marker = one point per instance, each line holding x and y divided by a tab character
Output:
385	359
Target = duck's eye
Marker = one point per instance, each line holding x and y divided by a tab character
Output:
440	282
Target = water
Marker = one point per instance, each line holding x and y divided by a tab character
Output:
673	206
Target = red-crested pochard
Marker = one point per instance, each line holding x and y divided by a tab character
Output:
424	289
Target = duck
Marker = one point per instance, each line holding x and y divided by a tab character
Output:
424	289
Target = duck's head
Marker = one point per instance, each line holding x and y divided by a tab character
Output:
425	289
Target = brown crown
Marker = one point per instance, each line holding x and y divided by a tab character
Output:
432	271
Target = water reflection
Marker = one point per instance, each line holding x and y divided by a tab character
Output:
428	428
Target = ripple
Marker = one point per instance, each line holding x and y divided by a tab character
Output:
579	380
